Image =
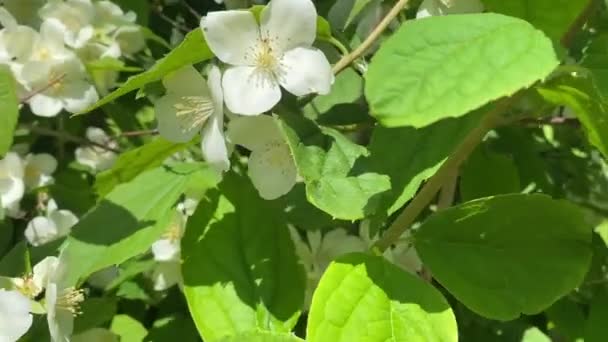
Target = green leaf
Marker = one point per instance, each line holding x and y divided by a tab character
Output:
420	154
7	233
566	319
554	17
134	162
506	255
128	328
447	66
128	220
366	298
487	173
596	329
15	262
95	312
173	328
262	337
192	50
595	60
580	96
9	107
240	270
331	183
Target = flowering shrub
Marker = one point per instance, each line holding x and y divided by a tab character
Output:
299	170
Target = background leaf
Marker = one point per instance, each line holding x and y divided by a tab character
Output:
446	66
240	270
366	298
506	255
9	107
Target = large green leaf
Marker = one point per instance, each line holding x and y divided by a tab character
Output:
262	337
554	17
9	107
366	298
582	98
134	162
596	329
506	255
192	50
332	183
240	270
447	66
129	219
410	156
596	61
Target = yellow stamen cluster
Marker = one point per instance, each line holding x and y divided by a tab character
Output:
193	111
70	300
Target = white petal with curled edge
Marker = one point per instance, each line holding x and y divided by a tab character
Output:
253	132
45	106
231	35
41	230
169	127
84	96
44	163
272	170
15	317
248	92
12	165
97	135
64	221
11	191
307	71
213	143
290	23
43	269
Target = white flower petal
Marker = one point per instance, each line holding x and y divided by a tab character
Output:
41	230
64	221
253	132
97	135
38	170
79	96
43	269
307	71
166	250
6	19
45	106
230	35
247	92
15	317
130	39
169	126
213	143
186	81
166	274
60	321
290	22
272	170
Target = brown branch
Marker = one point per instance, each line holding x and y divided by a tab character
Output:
67	137
139	133
41	90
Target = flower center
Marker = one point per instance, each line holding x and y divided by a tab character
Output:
174	233
266	58
43	54
193	111
27	287
70	300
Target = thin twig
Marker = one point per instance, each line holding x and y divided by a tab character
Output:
159	11
67	137
46	87
139	133
448	190
346	60
192	11
430	189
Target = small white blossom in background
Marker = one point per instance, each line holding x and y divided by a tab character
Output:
15	316
166	274
193	105
262	57
75	18
167	251
56	224
271	166
430	8
320	251
12	185
39	169
95	157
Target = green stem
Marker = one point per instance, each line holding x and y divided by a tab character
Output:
338	44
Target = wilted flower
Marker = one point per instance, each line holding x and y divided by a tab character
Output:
271	166
278	51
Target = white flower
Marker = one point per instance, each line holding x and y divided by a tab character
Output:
39	169
12	186
166	274
271	166
130	38
430	8
62	302
69	90
320	251
168	247
75	16
56	224
192	105
96	335
15	40
95	157
109	16
276	52
15	316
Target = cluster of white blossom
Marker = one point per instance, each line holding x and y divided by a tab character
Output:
258	60
49	59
